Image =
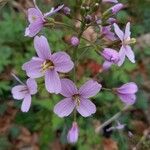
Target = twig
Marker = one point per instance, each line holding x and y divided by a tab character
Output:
116	116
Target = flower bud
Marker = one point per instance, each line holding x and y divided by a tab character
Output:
110	55
66	10
116	8
73	133
74	41
111	20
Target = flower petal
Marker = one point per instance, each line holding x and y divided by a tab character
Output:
33	68
118	32
86	107
64	107
107	65
68	88
127	31
128	88
121	56
52	81
89	89
26	103
62	62
32	86
128	99
19	91
42	47
34	28
53	11
130	54
34	14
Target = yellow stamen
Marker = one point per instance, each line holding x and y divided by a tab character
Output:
131	41
47	65
77	99
33	18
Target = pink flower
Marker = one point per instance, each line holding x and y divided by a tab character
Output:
24	91
127	93
73	133
37	19
78	99
111	57
48	65
116	8
110	1
106	32
126	41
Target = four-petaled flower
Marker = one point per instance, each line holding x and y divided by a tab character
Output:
126	41
78	99
24	91
127	93
48	64
37	19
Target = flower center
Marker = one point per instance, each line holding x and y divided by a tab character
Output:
129	41
47	65
33	18
76	97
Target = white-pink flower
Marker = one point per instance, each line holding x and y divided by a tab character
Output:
37	19
126	40
24	91
77	98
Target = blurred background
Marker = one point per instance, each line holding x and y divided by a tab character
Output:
40	128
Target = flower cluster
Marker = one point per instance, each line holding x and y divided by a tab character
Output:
52	65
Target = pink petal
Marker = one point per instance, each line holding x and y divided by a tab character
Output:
52	81
107	65
32	86
34	28
33	68
118	32
127	31
64	107
121	56
130	54
128	88
62	62
128	99
19	91
68	88
34	14
42	47
26	103
86	107
90	89
53	11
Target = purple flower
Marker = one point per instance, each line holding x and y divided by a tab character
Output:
37	19
78	99
73	133
48	65
106	32
125	49
119	126
111	20
111	1
127	93
24	91
74	41
111	57
116	8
